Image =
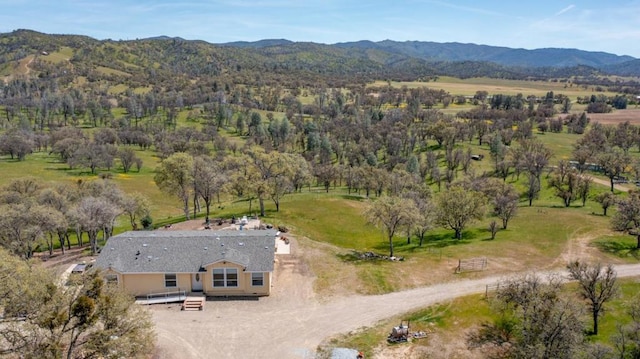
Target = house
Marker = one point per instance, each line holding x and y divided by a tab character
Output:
216	263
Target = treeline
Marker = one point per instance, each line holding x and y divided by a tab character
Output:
33	213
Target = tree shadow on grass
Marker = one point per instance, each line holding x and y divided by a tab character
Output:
353	197
619	248
443	240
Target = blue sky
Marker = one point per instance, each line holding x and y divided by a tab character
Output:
610	26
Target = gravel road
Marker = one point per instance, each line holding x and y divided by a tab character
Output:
291	323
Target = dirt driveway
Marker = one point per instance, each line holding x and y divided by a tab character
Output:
292	322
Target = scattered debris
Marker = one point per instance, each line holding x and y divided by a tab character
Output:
402	333
371	256
283	229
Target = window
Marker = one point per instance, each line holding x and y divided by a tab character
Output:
218	277
257	279
170	280
111	279
225	277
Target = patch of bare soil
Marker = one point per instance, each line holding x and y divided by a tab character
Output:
435	346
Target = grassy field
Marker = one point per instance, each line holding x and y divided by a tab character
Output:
468	87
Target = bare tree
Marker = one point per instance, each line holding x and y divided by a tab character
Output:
94	215
493	229
209	180
135	206
597	286
505	203
127	158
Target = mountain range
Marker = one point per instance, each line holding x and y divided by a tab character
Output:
456	52
280	58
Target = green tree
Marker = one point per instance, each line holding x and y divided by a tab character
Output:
627	218
535	321
533	158
86	319
458	207
174	177
613	163
566	184
606	200
390	213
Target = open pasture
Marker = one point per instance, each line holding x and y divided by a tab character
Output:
468	87
619	116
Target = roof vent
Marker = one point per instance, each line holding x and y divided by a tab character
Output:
218	238
205	248
149	257
165	248
221	244
241	244
144	244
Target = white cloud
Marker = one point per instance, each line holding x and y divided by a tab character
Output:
568	8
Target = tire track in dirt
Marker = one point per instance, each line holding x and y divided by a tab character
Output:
294	327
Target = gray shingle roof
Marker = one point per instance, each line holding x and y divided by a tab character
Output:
187	251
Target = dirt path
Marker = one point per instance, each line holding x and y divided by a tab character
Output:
27	65
608	184
292	322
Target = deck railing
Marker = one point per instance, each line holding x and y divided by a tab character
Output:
173	296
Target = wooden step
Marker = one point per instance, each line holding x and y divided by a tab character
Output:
193	303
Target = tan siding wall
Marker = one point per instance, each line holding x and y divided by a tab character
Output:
142	284
244	282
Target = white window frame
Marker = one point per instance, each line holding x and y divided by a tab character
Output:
227	277
254	279
168	280
111	279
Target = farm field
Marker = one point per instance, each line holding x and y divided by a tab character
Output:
468	87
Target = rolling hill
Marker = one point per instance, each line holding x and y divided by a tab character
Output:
163	59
